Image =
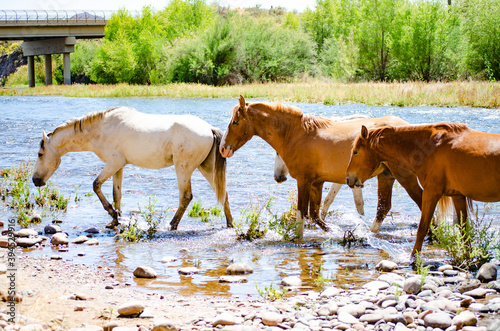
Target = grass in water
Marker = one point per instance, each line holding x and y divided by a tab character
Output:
197	210
470	244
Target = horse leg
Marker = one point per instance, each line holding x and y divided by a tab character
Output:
460	203
332	193
314	203
109	170
185	197
117	190
429	202
207	172
409	182
303	195
385	182
358	200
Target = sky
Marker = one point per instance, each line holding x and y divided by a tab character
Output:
134	5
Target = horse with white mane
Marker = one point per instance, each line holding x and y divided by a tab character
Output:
122	135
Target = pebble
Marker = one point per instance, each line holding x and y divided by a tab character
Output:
387	266
80	240
28	242
227	319
145	272
293	281
188	270
26	233
133	308
239	269
92	242
487	273
232	279
92	230
51	229
168	259
59	239
164	325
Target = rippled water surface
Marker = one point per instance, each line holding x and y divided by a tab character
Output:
211	246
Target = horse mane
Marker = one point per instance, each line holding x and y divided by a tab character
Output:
435	130
308	122
79	123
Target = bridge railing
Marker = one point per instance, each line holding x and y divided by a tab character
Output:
54	16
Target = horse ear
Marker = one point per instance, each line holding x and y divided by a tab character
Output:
364	132
45	138
242	102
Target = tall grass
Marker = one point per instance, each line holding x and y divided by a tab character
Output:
453	94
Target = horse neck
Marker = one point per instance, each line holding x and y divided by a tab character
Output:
69	140
407	147
276	128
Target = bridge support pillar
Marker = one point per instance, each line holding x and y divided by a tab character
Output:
31	71
48	69
66	69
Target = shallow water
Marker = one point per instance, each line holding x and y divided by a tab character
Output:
212	246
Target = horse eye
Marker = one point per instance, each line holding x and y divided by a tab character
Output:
354	152
235	122
40	154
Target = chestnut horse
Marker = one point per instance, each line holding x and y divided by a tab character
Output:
449	160
315	149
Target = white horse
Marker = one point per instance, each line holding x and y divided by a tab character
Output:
281	172
122	135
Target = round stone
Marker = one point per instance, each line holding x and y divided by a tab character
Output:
145	272
239	269
131	308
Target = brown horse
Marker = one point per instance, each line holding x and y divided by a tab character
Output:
315	149
449	160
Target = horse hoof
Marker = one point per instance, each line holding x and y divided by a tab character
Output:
112	225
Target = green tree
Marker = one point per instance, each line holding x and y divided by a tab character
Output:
481	27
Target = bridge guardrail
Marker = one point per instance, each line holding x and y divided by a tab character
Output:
54	16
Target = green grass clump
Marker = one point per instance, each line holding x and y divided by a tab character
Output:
470	244
197	210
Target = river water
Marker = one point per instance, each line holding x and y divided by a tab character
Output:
211	246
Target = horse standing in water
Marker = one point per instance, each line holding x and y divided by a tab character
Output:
281	172
449	160
122	135
315	149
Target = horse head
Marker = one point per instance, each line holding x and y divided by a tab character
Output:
47	162
280	169
239	130
364	161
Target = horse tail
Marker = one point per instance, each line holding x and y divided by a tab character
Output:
220	167
444	208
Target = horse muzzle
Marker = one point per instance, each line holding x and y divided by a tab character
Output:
280	178
353	181
38	181
226	151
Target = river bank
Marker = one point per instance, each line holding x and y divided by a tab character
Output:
440	94
57	294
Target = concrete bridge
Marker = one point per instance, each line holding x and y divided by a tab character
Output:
46	32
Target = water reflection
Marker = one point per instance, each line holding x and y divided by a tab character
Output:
318	261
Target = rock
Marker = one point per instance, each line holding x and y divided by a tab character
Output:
145	272
330	292
465	318
477	293
487	273
232	279
26	233
51	229
92	242
80	240
438	320
133	308
3	268
226	319
168	259
376	285
4	242
35	218
401	327
355	310
239	269
494	325
56	257
468	285
347	318
164	325
92	230
412	285
387	266
59	239
271	318
110	326
188	270
28	242
291	281
329	309
370	318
